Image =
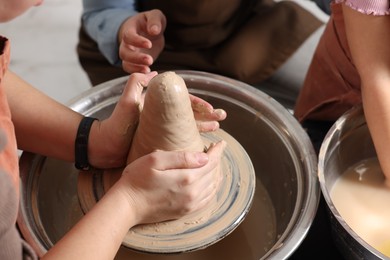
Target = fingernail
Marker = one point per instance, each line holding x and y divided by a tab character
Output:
142	83
220	112
154	28
202	158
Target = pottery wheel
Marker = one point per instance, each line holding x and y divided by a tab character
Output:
199	229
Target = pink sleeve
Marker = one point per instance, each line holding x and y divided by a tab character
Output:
374	7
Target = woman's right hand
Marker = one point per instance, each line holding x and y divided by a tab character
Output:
167	185
141	39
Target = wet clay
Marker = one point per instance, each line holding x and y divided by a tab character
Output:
361	197
167	121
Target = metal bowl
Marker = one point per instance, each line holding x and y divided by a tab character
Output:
287	189
347	143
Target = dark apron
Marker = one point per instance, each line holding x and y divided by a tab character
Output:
246	40
332	85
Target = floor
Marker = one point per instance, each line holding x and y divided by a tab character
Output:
44	47
43	42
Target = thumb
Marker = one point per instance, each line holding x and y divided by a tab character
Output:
127	110
131	97
174	160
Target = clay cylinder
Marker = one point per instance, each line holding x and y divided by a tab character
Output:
166	121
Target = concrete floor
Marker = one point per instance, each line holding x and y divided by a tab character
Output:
43	48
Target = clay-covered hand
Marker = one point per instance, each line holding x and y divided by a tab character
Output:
141	39
110	138
206	116
167	185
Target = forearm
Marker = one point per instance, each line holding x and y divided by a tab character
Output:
376	100
99	234
369	40
42	125
102	21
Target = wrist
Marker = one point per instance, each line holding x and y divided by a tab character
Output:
104	152
124	192
96	147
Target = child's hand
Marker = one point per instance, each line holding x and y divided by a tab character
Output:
141	40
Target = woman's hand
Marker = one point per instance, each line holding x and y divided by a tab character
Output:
141	39
205	115
110	139
167	185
